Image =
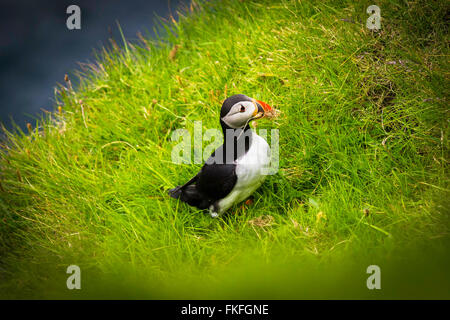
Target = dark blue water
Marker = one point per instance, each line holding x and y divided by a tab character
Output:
37	49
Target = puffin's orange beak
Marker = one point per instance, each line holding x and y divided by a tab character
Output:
261	109
264	105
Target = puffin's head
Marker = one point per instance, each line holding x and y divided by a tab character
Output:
238	110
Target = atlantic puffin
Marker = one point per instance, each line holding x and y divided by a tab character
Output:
235	169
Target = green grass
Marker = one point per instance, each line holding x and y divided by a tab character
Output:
363	173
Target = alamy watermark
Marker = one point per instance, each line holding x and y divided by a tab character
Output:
374	280
374	21
74	280
236	142
74	20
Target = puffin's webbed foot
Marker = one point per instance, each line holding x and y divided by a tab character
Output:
213	214
213	211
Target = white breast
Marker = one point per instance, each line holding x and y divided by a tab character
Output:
251	170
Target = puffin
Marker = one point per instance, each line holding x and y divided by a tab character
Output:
235	169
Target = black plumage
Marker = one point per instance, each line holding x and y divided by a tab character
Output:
212	183
217	177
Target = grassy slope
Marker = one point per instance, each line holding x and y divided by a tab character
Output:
357	132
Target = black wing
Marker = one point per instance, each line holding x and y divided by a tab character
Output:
214	181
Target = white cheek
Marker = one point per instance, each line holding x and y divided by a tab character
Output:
237	119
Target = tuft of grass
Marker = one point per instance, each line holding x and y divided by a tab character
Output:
363	173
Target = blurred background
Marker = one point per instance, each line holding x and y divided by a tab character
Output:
37	49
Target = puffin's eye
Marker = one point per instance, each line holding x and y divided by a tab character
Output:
242	109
